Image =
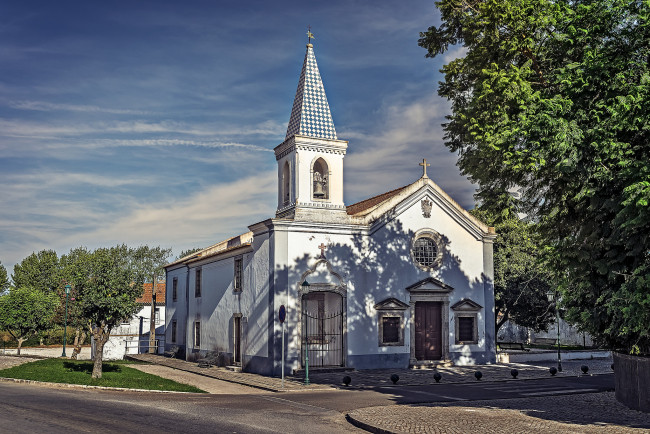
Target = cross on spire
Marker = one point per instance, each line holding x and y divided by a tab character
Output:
424	165
310	35
322	248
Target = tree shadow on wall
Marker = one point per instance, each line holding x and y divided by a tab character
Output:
374	267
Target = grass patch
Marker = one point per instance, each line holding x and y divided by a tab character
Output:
115	374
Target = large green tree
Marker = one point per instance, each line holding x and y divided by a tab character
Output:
39	270
521	277
25	311
4	280
552	98
107	296
75	271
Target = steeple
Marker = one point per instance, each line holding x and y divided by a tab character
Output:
310	160
310	115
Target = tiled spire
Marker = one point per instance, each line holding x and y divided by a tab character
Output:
310	115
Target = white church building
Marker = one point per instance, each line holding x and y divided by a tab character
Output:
401	279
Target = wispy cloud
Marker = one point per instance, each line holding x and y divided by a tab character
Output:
388	156
48	106
206	217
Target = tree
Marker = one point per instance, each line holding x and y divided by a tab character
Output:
521	279
4	280
39	270
552	98
188	252
24	311
75	271
108	296
150	262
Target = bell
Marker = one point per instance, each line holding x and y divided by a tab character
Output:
318	190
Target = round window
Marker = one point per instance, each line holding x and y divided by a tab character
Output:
426	251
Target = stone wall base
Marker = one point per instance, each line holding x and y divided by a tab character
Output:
632	381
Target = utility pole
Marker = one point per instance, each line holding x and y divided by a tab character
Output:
152	322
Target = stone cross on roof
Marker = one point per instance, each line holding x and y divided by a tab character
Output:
424	165
322	248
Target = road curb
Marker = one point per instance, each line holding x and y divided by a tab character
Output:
367	427
86	386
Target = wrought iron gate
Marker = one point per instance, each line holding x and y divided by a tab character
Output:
322	338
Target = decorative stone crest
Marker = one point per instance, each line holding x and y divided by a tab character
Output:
426	207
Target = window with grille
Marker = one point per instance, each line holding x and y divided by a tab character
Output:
197	283
466	329
175	289
174	331
391	329
425	251
237	285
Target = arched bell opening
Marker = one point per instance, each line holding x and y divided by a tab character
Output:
286	184
320	180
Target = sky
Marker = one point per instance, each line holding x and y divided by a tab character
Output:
154	122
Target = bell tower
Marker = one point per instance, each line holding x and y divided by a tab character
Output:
310	160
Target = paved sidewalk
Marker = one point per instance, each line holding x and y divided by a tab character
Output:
253	380
381	377
585	413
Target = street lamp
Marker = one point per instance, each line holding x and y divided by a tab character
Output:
552	297
65	326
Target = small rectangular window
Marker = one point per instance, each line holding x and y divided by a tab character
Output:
197	334
175	289
238	275
391	329
197	283
466	329
174	331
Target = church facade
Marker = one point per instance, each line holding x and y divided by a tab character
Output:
401	279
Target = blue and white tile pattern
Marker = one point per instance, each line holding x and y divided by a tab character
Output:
310	115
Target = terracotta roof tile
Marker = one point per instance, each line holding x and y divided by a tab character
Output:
364	205
146	296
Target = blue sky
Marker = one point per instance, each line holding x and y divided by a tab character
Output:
153	122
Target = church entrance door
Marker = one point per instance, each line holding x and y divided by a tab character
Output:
322	327
428	330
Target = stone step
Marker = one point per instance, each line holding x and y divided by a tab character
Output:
233	368
322	370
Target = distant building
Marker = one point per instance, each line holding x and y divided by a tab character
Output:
397	280
132	337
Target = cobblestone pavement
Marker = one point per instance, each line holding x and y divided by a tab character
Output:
49	351
210	385
381	377
461	374
252	380
585	413
7	362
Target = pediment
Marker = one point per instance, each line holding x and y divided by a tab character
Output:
466	305
430	285
422	194
391	304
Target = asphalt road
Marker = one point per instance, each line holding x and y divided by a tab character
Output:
29	408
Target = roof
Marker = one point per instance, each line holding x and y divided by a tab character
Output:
310	115
370	210
367	204
221	247
146	296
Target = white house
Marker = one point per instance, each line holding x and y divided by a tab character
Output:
132	335
397	280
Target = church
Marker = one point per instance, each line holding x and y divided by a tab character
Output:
402	279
